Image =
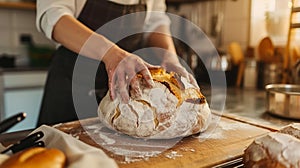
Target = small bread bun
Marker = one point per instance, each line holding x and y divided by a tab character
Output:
36	157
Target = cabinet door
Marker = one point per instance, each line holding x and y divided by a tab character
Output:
25	100
22	92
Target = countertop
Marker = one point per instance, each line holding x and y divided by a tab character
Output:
249	105
23	69
243	105
244	118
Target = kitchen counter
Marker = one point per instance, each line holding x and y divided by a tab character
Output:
23	69
249	105
243	120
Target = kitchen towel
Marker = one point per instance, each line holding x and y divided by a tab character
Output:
78	153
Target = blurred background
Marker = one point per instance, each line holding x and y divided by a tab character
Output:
253	38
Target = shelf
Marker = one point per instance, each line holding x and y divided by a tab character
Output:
18	5
181	1
178	2
296	9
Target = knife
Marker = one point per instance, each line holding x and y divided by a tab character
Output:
11	121
30	141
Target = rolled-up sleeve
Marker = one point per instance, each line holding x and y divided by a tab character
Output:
50	11
156	16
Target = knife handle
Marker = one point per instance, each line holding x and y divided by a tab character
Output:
21	147
11	121
32	138
27	142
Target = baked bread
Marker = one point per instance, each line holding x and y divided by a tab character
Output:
276	149
292	129
172	108
36	157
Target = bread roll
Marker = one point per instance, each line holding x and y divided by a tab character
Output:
172	108
36	157
277	149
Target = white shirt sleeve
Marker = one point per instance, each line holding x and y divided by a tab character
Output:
156	15
50	11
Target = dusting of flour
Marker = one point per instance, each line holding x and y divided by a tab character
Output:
217	129
132	149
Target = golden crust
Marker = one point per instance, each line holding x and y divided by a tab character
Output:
173	82
36	157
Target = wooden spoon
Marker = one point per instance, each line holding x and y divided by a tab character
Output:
266	50
236	53
237	56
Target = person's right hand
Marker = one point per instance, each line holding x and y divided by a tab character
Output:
122	68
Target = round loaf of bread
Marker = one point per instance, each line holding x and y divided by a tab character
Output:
36	157
172	108
276	149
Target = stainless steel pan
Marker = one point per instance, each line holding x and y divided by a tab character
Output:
283	100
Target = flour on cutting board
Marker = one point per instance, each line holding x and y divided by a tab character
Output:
218	127
132	149
107	140
173	155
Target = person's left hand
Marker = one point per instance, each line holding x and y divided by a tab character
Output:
180	70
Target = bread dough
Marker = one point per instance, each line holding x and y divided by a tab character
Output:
172	108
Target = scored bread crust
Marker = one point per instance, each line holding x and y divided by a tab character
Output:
36	157
276	149
172	108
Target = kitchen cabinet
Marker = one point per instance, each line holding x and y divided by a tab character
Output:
21	91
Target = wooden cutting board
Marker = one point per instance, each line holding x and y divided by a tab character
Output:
225	140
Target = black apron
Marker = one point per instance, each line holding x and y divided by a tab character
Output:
57	104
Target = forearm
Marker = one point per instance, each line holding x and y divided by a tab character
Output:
161	38
75	36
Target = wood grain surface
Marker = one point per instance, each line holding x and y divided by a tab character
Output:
224	140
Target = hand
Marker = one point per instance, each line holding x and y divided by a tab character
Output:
122	68
179	69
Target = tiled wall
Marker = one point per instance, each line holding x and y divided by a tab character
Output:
237	22
13	23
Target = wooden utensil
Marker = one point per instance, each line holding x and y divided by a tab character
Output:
237	56
236	53
266	50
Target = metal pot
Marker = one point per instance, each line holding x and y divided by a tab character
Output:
220	62
283	100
